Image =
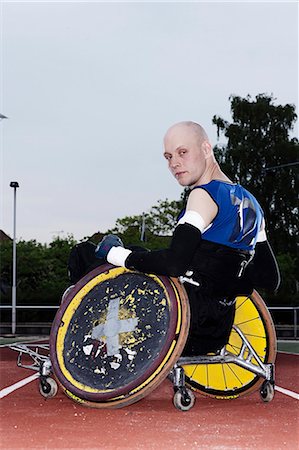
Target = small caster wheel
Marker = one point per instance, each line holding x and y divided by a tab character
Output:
48	387
267	391
183	399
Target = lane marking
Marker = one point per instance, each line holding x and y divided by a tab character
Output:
287	392
288	353
8	390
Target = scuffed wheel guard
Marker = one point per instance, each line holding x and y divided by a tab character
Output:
117	335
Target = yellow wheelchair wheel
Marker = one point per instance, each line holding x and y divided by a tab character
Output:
228	380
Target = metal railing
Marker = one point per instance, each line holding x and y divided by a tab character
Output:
295	315
271	308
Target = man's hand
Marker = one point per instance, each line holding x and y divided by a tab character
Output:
109	241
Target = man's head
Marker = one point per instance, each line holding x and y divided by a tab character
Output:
188	152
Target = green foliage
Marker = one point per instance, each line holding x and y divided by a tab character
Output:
259	139
41	270
159	224
57	279
162	218
288	291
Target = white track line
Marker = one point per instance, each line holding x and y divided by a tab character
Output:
8	390
288	353
287	392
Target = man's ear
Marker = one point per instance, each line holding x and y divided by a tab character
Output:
207	148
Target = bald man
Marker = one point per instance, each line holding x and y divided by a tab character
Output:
215	239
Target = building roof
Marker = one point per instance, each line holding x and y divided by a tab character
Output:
4	236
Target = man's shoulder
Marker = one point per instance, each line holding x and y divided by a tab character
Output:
200	196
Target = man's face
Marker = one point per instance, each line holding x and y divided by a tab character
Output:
185	155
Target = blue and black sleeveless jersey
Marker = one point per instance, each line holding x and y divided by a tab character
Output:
239	216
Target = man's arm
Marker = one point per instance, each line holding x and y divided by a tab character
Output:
263	271
175	260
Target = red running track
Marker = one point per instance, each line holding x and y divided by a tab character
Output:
28	421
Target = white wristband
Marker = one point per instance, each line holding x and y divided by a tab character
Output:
118	255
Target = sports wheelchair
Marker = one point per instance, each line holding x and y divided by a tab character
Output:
119	333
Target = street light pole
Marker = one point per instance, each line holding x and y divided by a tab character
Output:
14	185
142	232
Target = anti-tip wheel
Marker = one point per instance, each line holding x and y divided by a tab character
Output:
184	399
48	387
267	391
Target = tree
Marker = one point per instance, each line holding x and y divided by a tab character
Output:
57	280
260	155
159	224
41	275
258	139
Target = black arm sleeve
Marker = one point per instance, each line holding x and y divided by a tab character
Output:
263	270
173	261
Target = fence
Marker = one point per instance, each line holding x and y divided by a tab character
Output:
294	321
291	328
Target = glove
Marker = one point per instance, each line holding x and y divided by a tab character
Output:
109	241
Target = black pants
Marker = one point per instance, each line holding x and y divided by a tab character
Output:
211	322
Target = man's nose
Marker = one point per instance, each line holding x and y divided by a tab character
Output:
174	162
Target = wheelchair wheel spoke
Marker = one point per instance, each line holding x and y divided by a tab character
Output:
207	372
242	303
195	369
248	335
235	347
231	369
238	324
224	377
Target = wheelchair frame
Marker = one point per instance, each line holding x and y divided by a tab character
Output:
184	398
244	356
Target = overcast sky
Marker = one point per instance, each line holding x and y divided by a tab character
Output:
91	88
